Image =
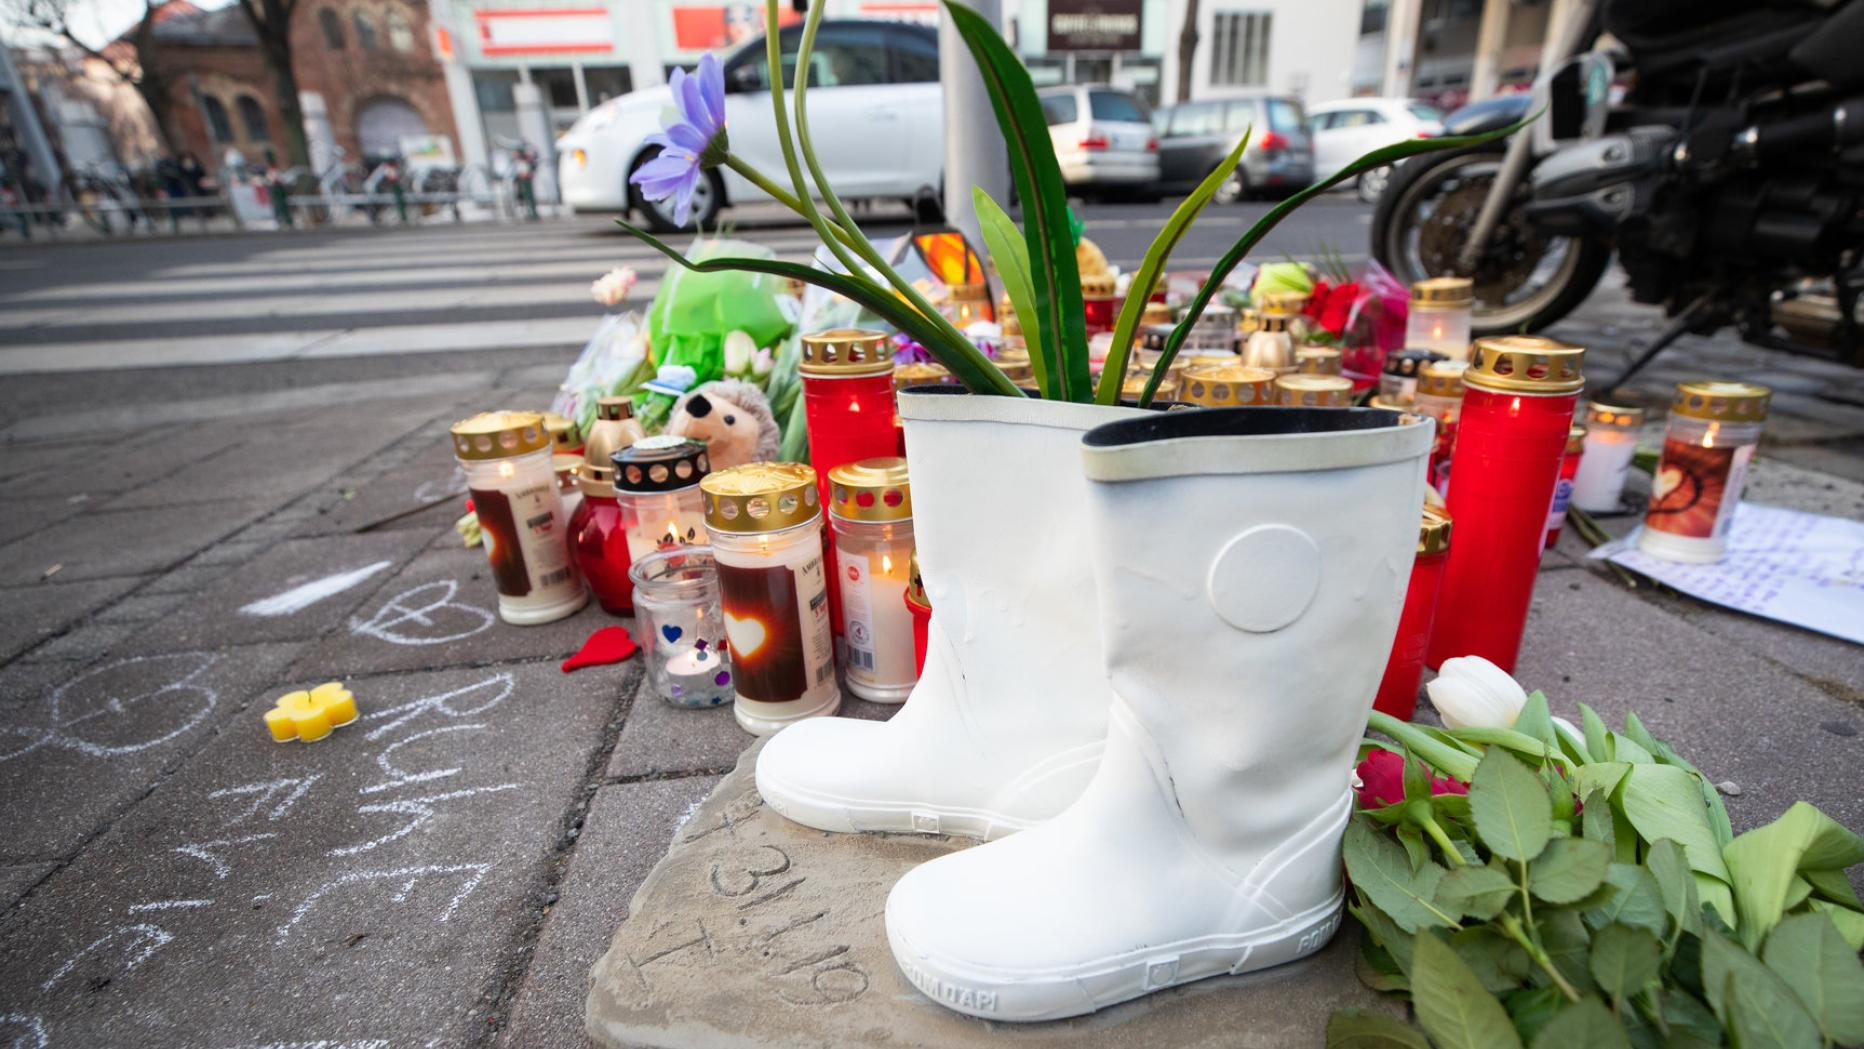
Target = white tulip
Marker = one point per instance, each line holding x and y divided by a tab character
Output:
1471	692
613	287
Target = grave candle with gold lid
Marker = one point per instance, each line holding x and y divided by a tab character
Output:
1314	391
1439	317
1711	435
514	492
1611	444
871	514
1227	386
1270	346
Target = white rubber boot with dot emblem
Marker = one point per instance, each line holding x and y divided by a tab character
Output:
1006	724
1251	564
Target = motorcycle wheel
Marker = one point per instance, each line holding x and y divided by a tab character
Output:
1526	279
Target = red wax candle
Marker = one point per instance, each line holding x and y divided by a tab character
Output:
848	408
1404	669
599	540
1563	489
921	610
1518	406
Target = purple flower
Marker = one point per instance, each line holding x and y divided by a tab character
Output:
692	143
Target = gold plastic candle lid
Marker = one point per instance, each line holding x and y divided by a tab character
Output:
1134	386
598	481
1442	378
499	435
1314	391
1227	385
871	490
1318	360
1576	439
563	433
1155	313
842	352
760	497
1014	363
1011	326
565	465
1097	286
920	373
1729	402
1433	535
616	409
1598	413
970	292
1531	364
915	586
1443	292
1267	321
1283	303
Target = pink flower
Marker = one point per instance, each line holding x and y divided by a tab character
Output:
1381	778
613	287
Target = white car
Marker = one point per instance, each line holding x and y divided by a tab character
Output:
1103	137
876	117
1345	130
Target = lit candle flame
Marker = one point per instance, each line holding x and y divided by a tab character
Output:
886	563
505	470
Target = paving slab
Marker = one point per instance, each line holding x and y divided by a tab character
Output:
17	878
267	462
140	608
661	739
110	464
23	517
102	543
800	958
366	889
442	610
75	754
419	495
82	643
624	835
296	591
40	610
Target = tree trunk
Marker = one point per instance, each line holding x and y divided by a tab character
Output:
1187	50
290	113
154	91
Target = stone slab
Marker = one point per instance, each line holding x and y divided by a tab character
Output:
42	610
800	958
431	475
624	835
219	612
75	754
17	878
442	610
106	467
91	640
99	543
661	739
23	517
140	608
369	889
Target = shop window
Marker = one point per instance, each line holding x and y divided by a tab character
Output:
606	82
400	34
365	31
1239	52
219	125
493	87
332	26
557	85
252	118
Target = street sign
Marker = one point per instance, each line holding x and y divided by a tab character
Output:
1094	25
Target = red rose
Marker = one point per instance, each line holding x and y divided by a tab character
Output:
1339	307
1381	777
1316	300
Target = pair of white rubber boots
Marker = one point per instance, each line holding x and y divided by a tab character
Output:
1153	651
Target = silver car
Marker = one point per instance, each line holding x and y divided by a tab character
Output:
1194	137
1103	137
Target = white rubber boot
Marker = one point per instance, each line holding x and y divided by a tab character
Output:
1251	565
1006	724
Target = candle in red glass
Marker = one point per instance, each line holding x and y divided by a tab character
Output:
1520	392
848	406
599	542
1563	488
1397	694
921	608
1101	305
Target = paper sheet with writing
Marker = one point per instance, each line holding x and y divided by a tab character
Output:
1799	568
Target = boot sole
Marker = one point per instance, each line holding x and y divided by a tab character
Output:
1076	990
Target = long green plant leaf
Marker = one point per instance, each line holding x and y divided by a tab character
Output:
1055	278
1011	254
1377	158
1113	373
967	365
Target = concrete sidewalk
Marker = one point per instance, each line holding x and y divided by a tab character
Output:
445	871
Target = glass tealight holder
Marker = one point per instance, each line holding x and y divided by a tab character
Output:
681	628
656	483
1439	316
1213	334
871	515
1398	378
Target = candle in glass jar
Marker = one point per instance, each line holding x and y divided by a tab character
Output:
765	520
657	485
871	514
849	409
1313	391
1318	360
1440	396
1611	444
1397	693
514	492
1399	377
1711	435
681	627
1101	305
1563	489
1439	317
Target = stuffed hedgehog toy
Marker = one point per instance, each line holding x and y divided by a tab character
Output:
733	418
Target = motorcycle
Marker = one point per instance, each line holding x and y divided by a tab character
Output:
1715	147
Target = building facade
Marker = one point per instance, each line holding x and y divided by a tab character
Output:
1450	52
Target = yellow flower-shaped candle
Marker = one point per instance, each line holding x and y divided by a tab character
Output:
310	716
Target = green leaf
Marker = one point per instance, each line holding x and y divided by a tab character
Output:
1597	736
1600	777
1534	749
967	365
1662	801
1452	1006
1807	952
1444	757
1586	1023
1386	933
1352	1029
1685	1012
1624	959
1113	371
1626	749
1011	254
1536	720
1834	886
1414	848
1568	946
1380	869
1512	811
1533	1009
1235	255
1676	883
1596	821
1568	869
1850	923
1766	1016
1378	970
1055	278
1726	964
1479	892
1763	862
1638	900
1497	961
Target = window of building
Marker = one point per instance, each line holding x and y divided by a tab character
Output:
493	86
606	82
557	85
400	34
332	26
252	118
219	125
1373	16
365	31
1239	53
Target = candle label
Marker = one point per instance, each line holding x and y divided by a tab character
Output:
879	629
524	538
1562	495
1695	489
776	624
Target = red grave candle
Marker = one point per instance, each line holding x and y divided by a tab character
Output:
599	540
1563	489
1404	669
848	408
1517	409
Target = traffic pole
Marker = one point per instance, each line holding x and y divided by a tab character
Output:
975	154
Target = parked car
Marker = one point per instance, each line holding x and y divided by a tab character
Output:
1347	129
1194	137
1103	137
876	117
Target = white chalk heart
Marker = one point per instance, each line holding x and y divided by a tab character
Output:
746	635
1666	481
